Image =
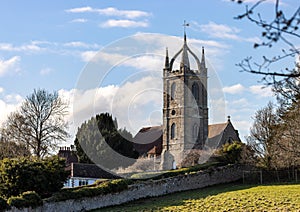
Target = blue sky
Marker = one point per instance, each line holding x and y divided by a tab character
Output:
49	44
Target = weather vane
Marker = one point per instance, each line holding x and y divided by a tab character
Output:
185	24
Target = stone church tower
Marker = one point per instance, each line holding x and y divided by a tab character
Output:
185	111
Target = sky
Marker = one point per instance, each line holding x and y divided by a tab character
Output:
108	56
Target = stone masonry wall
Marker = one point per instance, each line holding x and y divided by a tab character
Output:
145	189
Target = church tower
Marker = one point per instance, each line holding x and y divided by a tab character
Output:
185	111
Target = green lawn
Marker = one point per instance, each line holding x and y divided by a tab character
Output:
222	198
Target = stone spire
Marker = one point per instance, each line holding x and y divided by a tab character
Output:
185	63
184	51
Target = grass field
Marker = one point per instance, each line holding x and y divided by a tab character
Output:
222	198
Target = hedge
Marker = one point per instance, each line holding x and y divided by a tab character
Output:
106	187
3	204
25	200
173	173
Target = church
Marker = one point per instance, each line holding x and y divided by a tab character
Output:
185	113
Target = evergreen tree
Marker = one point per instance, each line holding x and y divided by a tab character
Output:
99	141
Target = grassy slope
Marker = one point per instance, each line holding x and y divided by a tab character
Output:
222	198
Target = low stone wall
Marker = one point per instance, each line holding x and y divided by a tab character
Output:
146	189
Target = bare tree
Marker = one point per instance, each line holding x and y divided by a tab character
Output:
289	133
282	27
39	123
10	149
262	134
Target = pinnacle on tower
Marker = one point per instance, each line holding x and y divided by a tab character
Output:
203	58
167	64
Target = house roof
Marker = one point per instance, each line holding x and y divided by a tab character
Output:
147	138
90	171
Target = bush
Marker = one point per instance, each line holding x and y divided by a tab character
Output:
3	204
88	191
32	198
23	174
27	199
189	170
230	152
17	202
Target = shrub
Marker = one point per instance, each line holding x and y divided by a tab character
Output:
17	202
3	204
189	170
23	174
32	198
99	181
230	152
27	199
117	186
88	191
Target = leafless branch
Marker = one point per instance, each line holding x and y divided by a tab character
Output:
280	28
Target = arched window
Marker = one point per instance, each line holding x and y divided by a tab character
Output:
195	131
173	131
195	91
173	89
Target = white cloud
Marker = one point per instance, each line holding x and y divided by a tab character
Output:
132	103
258	90
9	104
5	109
1	90
223	31
214	50
46	71
220	30
111	11
146	62
32	47
141	62
261	91
242	103
80	10
10	65
79	20
42	46
79	44
13	98
123	23
87	56
234	89
209	43
243	127
94	56
146	52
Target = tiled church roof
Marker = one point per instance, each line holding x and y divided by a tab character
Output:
216	129
147	138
